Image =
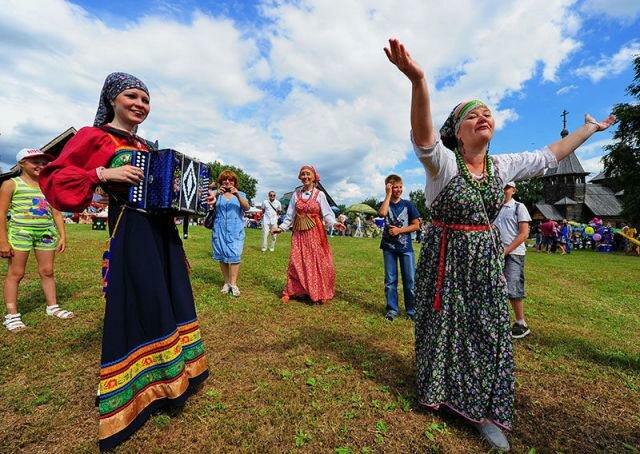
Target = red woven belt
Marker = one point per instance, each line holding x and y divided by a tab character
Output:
443	252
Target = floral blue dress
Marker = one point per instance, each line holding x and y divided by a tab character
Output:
227	237
464	355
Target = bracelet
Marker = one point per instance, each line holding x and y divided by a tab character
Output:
593	123
100	173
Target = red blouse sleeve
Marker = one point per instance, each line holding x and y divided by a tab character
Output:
69	182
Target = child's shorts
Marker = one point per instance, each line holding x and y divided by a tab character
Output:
514	272
26	238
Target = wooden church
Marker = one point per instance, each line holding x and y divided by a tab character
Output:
567	195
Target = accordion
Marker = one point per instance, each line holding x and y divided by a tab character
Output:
172	182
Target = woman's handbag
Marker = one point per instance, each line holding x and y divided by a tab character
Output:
209	218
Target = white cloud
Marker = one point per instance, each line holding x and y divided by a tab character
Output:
59	57
414	172
590	155
593	165
322	93
623	10
610	66
566	89
591	149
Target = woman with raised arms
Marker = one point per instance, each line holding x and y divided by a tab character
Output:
464	356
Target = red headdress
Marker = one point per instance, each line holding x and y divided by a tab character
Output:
316	176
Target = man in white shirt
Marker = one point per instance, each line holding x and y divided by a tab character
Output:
513	223
271	209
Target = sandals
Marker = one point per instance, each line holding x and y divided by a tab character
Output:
57	311
13	323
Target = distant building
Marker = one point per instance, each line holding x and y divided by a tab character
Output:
53	148
567	195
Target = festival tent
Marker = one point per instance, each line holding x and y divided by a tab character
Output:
361	208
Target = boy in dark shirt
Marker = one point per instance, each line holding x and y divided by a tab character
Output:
401	219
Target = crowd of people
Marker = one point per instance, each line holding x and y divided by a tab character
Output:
565	236
470	265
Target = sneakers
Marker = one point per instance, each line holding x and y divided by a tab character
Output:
264	249
518	331
271	249
225	288
390	316
235	291
493	435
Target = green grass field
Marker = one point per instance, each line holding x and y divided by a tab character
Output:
334	378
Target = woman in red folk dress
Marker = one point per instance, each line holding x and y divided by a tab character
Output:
311	269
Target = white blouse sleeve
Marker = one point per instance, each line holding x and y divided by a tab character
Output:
440	165
291	211
520	166
328	216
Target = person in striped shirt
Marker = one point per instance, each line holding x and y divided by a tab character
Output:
34	224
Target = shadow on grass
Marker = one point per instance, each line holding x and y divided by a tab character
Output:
372	305
208	275
82	339
582	431
385	367
582	349
31	297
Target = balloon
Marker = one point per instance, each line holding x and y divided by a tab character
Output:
588	230
597	237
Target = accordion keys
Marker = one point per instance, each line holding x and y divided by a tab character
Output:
172	182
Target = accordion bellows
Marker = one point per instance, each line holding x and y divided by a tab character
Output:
172	181
303	222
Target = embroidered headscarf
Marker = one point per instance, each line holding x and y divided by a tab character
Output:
451	126
114	84
316	176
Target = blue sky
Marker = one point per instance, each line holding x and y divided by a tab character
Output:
269	86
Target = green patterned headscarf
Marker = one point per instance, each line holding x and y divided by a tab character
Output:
451	126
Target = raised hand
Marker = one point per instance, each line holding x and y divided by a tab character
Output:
602	125
399	56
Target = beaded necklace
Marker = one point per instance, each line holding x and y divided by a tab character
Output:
482	185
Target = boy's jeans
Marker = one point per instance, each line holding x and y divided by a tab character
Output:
408	271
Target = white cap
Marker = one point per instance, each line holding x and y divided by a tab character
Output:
27	153
510	183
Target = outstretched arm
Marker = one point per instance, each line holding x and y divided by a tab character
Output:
421	123
562	148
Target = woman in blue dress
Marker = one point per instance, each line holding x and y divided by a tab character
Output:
227	238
